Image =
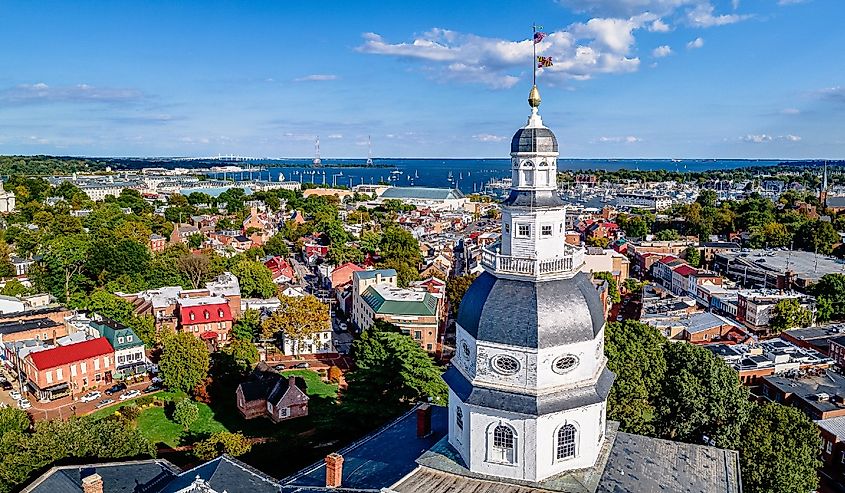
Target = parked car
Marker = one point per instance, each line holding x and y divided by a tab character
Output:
24	404
619	318
342	326
103	403
90	396
304	364
7	385
118	387
129	395
153	387
280	366
15	395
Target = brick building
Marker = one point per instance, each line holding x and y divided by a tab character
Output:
62	370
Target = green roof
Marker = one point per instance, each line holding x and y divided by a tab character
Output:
387	300
113	331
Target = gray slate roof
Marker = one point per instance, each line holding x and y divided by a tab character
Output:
534	140
118	477
423	193
532	405
543	198
549	313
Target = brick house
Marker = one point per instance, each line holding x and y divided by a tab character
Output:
39	329
57	372
157	243
281	270
209	318
271	395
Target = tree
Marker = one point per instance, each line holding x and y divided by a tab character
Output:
243	355
340	254
831	287
406	272
707	198
195	268
391	373
824	309
817	236
184	361
255	279
248	327
186	413
14	287
612	286
195	241
633	285
456	288
780	451
701	396
277	246
635	226
693	256
298	319
788	313
667	235
598	241
223	442
66	256
110	306
635	353
13	420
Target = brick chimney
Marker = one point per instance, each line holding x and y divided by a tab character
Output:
92	484
334	470
423	420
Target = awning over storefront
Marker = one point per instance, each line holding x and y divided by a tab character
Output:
208	335
131	370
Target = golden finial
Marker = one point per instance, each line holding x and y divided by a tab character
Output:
534	97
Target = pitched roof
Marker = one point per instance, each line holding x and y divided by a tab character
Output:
63	355
371	274
685	270
118	477
208	313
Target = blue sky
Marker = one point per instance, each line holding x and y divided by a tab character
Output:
632	78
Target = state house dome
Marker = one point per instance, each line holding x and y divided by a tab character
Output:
534	139
532	314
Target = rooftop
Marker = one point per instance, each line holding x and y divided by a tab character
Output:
806	265
424	193
22	326
384	298
62	355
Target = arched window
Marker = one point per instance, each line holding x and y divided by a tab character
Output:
566	442
503	444
459	418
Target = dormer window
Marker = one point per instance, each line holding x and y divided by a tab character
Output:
220	313
207	315
120	340
192	316
128	338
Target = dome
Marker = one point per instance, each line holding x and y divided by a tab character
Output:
534	139
532	314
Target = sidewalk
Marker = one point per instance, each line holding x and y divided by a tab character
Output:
65	407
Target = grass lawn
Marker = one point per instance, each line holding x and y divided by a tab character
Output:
155	424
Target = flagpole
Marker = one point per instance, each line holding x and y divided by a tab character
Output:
534	45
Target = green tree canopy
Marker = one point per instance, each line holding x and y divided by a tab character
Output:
788	313
780	451
248	327
456	288
223	442
298	319
255	279
184	361
391	373
693	256
185	413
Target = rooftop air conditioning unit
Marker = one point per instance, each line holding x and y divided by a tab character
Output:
821	397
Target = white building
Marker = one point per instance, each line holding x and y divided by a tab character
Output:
643	201
529	383
7	200
434	198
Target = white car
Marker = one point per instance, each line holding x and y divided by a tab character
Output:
130	394
90	396
14	394
24	404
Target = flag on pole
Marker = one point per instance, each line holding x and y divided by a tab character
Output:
538	36
544	61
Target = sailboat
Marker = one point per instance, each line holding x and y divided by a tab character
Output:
369	151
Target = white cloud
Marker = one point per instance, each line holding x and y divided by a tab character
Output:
316	78
581	51
488	138
791	2
756	138
626	7
661	51
658	26
834	94
629	139
790	111
765	138
41	92
334	136
702	16
696	43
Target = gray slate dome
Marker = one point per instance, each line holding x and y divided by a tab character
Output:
539	139
532	314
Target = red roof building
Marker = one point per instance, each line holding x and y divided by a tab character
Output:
282	271
342	275
209	319
59	371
